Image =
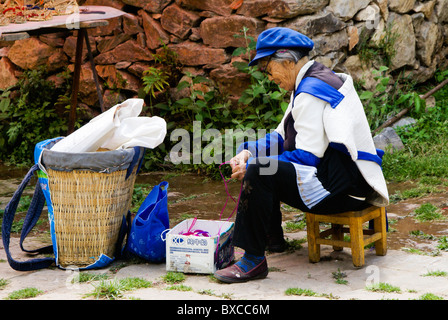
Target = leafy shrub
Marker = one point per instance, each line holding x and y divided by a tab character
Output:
31	117
261	106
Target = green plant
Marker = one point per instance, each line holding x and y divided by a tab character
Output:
154	79
3	283
207	292
134	283
250	43
430	296
427	212
420	234
24	294
339	277
139	195
200	105
17	225
383	287
110	290
87	277
388	99
114	289
436	273
180	287
292	226
307	292
382	51
294	244
169	60
162	75
261	106
32	111
425	154
300	292
443	243
173	277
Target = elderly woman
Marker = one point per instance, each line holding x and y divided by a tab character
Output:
320	159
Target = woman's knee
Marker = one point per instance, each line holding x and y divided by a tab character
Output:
262	166
253	170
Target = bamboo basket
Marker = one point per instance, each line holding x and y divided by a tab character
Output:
88	210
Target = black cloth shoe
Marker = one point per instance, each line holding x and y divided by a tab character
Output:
275	243
234	274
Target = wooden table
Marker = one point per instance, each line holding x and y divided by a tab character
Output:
87	18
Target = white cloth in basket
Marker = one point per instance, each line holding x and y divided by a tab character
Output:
118	127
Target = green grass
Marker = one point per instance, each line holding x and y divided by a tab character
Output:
133	283
436	273
425	154
339	277
87	277
294	244
405	165
207	292
308	293
173	277
112	290
427	212
24	294
3	283
300	292
421	235
180	287
383	287
430	296
292	226
443	243
420	191
433	253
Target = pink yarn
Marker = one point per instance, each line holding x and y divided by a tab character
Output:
202	233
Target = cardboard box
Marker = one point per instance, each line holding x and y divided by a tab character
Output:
197	254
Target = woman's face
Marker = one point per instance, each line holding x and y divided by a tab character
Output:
283	73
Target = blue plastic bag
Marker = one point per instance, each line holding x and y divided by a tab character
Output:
151	221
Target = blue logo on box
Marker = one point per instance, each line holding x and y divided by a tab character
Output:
177	240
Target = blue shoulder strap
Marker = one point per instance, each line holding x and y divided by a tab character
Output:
362	155
321	90
32	216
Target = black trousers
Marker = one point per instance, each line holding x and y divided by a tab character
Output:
259	214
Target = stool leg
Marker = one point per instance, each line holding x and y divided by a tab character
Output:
312	234
337	235
379	225
357	242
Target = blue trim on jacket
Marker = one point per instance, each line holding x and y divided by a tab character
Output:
272	146
362	155
271	143
321	90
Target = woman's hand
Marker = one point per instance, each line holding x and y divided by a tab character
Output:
238	164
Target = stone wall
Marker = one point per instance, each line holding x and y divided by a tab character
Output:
202	34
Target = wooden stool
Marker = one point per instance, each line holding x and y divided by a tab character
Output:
359	237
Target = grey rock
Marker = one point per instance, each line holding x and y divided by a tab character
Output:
388	140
